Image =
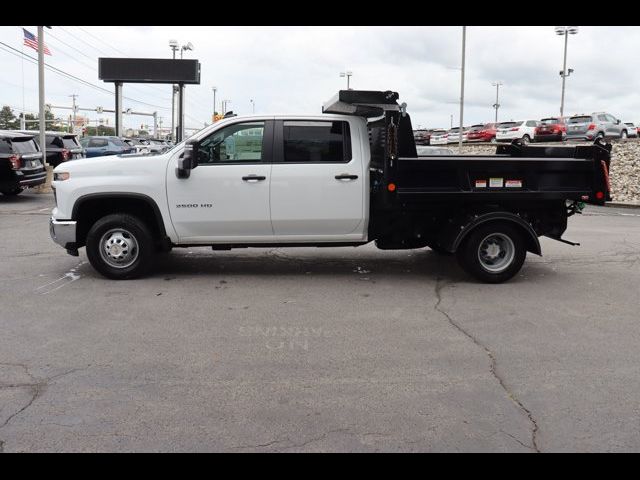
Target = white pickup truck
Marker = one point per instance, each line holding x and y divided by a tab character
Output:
343	178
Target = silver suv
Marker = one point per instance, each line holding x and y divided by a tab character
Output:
598	124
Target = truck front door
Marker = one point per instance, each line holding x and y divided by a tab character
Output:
226	198
318	181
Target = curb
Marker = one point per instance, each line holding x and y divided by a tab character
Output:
622	205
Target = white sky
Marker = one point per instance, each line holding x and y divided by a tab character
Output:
296	69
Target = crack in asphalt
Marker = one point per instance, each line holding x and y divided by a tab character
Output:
492	365
311	440
37	387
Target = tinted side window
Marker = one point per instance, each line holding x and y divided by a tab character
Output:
602	118
241	142
316	142
98	142
532	123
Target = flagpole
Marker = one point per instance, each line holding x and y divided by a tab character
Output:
23	122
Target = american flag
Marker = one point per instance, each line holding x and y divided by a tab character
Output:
30	40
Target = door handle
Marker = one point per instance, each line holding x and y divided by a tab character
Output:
254	178
346	176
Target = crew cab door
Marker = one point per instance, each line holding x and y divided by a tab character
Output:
226	198
319	185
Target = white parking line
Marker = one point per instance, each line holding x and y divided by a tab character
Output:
69	277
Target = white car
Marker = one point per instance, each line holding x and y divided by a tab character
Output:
439	137
454	136
524	130
632	131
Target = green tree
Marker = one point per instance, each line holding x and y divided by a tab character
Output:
8	120
101	130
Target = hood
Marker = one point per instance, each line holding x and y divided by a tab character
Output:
113	164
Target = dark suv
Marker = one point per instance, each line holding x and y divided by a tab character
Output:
60	146
20	163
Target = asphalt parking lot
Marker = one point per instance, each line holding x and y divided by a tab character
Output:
320	349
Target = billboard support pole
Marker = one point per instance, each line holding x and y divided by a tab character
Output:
180	126
118	111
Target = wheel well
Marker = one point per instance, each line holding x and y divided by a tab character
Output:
87	211
530	241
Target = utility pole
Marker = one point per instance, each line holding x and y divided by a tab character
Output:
497	104
253	106
75	109
464	38
41	111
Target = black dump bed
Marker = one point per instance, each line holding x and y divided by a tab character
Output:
515	172
522	172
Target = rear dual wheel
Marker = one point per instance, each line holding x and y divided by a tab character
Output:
492	253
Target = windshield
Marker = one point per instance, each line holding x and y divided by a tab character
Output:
582	119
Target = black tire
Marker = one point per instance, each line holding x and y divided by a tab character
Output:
14	192
623	134
469	255
600	135
526	139
134	235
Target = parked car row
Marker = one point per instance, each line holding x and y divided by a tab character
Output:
577	127
98	146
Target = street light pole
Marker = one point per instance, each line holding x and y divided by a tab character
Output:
173	44
464	38
253	105
348	75
564	73
566	31
497	104
215	89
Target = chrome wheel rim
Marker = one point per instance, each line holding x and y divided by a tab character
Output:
119	248
496	252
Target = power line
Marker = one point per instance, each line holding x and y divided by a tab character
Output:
77	79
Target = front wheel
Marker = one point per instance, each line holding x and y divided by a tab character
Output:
492	253
526	139
120	247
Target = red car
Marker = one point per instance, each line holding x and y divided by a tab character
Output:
482	133
552	129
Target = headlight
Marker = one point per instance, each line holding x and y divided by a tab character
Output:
60	176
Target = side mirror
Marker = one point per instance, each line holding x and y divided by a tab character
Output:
189	160
617	122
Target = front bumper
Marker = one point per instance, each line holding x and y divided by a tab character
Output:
63	232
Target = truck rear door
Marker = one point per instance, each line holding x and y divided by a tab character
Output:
319	183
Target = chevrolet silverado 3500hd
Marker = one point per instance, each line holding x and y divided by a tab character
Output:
343	178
